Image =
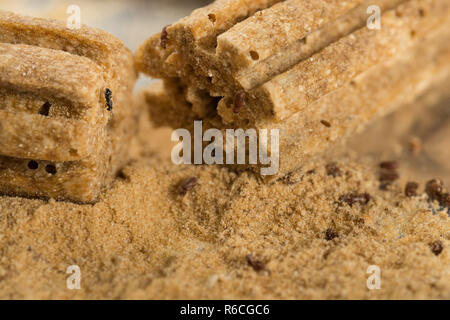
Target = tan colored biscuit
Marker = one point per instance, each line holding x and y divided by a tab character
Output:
59	76
269	50
35	137
203	25
374	93
163	112
329	22
79	181
66	114
342	61
342	112
99	46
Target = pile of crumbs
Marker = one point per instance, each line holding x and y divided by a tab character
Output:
203	232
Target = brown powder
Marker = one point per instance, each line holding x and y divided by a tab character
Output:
142	240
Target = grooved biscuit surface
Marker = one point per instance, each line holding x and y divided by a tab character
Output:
377	91
312	75
66	112
37	137
267	55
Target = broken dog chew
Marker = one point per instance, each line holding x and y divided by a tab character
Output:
420	60
65	113
264	60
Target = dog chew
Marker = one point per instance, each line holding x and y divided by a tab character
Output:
337	90
65	118
249	66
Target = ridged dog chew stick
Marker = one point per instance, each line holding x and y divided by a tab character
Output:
274	32
279	41
35	137
99	46
203	27
301	49
327	70
78	181
59	75
345	59
213	64
379	90
374	93
65	108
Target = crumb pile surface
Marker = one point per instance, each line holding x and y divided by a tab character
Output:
160	233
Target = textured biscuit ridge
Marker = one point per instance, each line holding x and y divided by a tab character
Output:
59	135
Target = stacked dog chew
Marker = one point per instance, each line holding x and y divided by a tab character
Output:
65	118
312	69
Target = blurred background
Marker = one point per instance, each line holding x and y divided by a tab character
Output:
418	135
